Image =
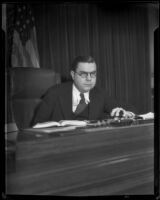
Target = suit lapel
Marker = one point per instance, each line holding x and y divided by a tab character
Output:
94	104
66	101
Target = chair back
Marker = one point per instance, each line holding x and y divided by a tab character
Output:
28	85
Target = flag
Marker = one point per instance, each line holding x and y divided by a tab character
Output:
24	46
9	122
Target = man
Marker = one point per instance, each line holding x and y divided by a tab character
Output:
80	99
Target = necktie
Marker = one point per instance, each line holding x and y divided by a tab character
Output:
82	105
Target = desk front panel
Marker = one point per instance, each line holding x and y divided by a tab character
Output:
102	161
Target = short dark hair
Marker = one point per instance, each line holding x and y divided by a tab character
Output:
84	59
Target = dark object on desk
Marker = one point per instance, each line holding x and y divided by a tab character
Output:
121	122
138	117
117	122
110	122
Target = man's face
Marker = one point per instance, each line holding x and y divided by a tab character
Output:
85	76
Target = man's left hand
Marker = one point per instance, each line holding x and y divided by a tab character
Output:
120	112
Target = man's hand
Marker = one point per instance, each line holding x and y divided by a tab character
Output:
120	112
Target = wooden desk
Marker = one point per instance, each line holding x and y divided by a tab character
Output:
99	161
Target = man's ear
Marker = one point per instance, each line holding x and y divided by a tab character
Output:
72	74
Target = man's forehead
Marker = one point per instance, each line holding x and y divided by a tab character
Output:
89	67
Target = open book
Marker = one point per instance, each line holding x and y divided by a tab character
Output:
60	123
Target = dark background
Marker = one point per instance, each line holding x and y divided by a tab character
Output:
116	35
120	36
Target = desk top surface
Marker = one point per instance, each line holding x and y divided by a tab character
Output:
30	134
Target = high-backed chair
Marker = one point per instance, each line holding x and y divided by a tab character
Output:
28	85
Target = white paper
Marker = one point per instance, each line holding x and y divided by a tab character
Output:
46	124
73	123
149	115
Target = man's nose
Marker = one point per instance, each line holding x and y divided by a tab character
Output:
89	76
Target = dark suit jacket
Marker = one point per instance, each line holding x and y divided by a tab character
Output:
57	104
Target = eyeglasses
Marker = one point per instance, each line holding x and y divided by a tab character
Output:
85	74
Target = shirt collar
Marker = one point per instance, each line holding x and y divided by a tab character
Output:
76	93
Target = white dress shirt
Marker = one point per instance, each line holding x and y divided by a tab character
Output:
76	97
